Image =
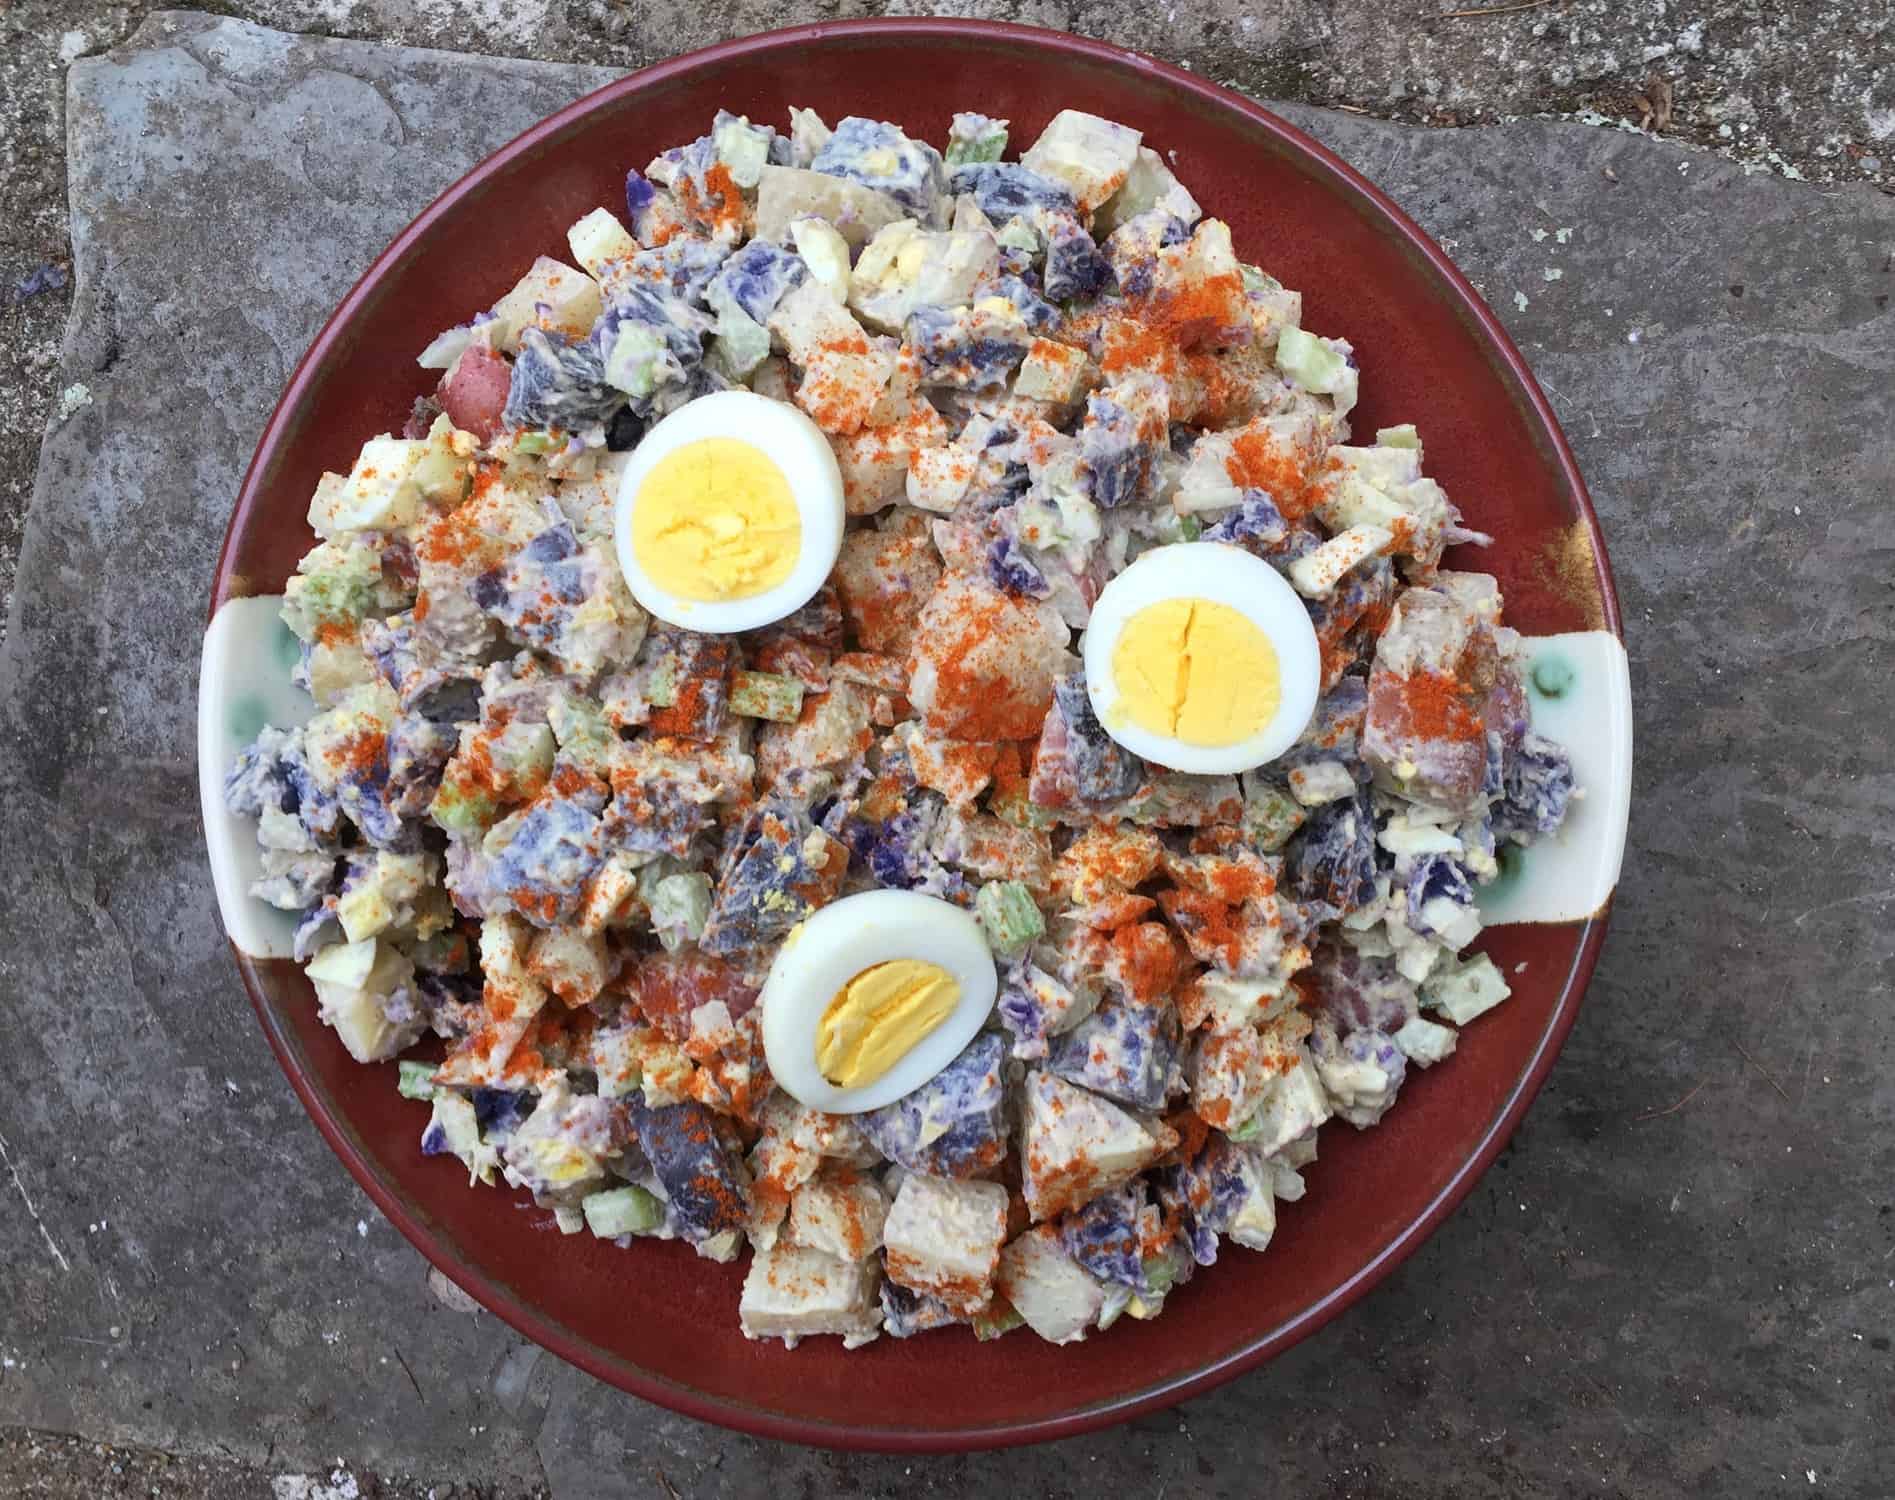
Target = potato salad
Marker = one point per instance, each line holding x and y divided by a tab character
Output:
878	718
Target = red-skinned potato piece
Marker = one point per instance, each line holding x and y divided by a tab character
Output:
473	392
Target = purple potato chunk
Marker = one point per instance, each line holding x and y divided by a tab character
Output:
758	277
558	383
906	1313
1106	1235
500	1112
451	1002
878	155
419	749
1123	1050
1537	787
1359	992
1209	1192
1035	311
316	929
953	1125
974	348
273	772
1332	859
770	879
703	1181
1432	877
1076	269
1254	523
1102	769
1004	190
685	265
1014	572
553	852
654	816
1116	453
437	688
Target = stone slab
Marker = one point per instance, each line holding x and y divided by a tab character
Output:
1679	1280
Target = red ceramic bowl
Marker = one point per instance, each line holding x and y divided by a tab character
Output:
656	1320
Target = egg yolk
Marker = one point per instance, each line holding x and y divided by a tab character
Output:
1196	671
715	520
878	1016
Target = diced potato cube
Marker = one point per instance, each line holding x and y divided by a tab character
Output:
383	490
944	1238
938	478
825	252
905	267
336	666
352	980
874	460
1293	1104
570	963
1462	991
1090	155
841	1213
1075	1145
1052	372
1148	184
1317	573
331	494
1056	1295
785	194
792	1290
599	238
840	386
1425	1042
984	662
572	296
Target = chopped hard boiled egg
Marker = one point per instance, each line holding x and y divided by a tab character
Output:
873	995
729	513
1200	658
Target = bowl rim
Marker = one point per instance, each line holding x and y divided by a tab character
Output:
762	1422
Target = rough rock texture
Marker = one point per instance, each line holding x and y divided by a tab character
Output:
1680	1279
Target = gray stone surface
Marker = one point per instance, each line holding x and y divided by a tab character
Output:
1804	89
1679	1280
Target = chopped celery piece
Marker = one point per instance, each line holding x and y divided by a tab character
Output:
1249	1128
975	138
1015	807
1009	915
626	1210
583	732
1271	814
996	1318
1462	991
569	1220
1173	527
461	810
415	1080
333	585
1161	1272
766	695
1311	362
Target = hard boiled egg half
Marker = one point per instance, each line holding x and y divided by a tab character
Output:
1201	658
729	514
871	996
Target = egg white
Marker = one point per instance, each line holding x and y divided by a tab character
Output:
796	446
1226	575
833	945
